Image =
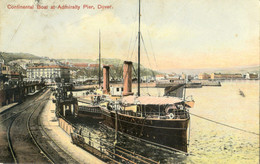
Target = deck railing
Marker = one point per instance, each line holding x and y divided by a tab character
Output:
175	114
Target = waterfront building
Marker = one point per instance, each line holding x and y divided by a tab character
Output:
183	76
159	77
4	69
251	75
226	76
147	79
7	74
172	76
196	77
204	76
48	73
186	77
15	76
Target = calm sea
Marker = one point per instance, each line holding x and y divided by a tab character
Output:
215	143
224	126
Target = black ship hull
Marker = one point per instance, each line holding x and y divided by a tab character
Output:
170	133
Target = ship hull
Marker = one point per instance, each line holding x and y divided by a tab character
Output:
93	112
170	133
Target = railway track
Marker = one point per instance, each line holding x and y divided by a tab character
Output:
20	144
51	160
51	150
6	120
25	141
10	142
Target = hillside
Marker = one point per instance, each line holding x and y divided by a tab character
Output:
77	60
19	62
117	66
14	56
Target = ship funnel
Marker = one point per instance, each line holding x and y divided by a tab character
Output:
127	77
106	79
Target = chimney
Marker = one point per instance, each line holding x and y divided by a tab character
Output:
106	79
127	76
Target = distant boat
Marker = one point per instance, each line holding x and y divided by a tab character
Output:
241	93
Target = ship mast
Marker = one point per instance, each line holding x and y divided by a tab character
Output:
99	60
139	34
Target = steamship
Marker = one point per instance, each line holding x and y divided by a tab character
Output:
162	121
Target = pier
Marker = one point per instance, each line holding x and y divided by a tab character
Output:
97	146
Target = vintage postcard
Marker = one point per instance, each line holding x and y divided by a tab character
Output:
129	81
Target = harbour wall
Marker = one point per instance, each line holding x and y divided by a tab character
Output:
66	126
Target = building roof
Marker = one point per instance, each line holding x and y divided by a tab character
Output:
48	66
171	75
150	100
159	75
93	65
80	64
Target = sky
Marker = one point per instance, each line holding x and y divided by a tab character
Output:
181	34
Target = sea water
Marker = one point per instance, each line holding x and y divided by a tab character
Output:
224	126
215	143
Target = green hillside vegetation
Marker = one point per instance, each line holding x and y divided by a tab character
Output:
116	71
14	56
77	60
